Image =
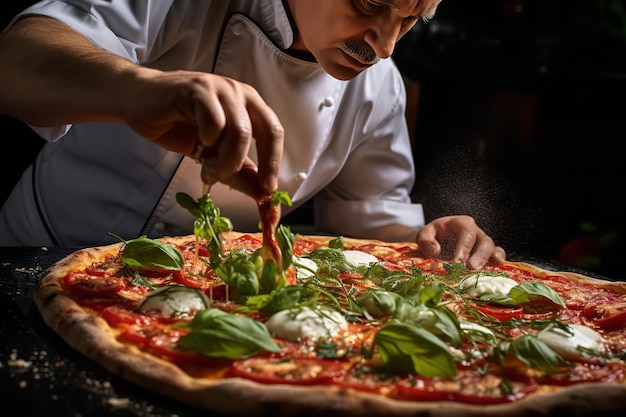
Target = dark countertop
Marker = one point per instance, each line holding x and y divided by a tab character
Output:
58	380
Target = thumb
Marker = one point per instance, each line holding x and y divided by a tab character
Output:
245	180
427	244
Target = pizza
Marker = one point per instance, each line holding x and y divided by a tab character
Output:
277	323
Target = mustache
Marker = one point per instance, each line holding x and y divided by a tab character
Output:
363	53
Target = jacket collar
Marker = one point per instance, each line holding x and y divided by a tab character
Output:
276	22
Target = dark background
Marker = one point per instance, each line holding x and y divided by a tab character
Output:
519	123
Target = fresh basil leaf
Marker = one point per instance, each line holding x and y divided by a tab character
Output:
271	277
379	303
146	253
281	198
254	303
447	324
246	282
283	299
533	290
432	293
537	354
239	271
187	202
523	293
216	333
504	300
404	348
337	243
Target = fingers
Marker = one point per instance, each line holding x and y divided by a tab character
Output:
210	118
428	245
459	239
499	255
244	180
473	249
244	117
270	137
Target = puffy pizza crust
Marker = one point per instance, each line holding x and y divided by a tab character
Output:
91	336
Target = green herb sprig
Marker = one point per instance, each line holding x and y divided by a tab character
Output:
209	224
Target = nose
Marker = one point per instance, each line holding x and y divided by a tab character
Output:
382	38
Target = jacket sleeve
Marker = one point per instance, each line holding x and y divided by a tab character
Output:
124	28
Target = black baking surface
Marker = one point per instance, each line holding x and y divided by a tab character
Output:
57	380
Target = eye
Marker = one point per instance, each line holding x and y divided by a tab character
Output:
369	7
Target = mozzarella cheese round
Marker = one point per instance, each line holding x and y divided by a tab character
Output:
359	258
305	267
174	301
478	284
566	344
304	322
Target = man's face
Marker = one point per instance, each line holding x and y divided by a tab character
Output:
347	36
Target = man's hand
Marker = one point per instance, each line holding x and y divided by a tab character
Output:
181	111
213	119
458	238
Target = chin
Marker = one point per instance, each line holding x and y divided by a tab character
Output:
341	72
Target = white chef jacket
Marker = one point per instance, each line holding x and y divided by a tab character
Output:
346	142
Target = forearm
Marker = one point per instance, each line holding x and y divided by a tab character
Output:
51	75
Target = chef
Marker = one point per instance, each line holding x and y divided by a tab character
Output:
141	100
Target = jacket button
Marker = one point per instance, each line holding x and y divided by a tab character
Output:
328	101
159	226
237	28
301	176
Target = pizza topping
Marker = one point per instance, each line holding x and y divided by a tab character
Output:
208	225
305	322
215	333
477	332
305	267
379	303
269	214
297	371
607	315
611	372
404	347
500	313
145	253
89	285
174	301
571	341
276	252
492	385
536	354
505	291
359	258
479	284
